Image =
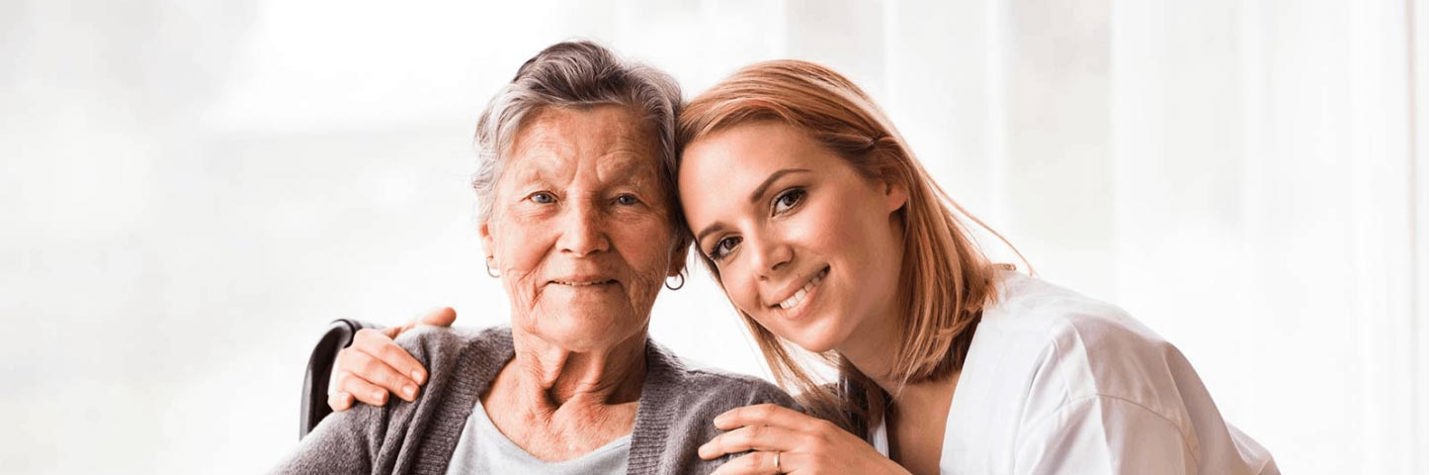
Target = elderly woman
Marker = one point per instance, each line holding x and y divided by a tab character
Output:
579	221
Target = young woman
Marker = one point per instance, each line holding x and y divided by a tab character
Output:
830	238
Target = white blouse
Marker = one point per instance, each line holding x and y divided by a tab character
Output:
1056	382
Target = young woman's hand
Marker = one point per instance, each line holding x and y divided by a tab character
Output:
782	440
374	366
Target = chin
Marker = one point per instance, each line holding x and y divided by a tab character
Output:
589	333
816	340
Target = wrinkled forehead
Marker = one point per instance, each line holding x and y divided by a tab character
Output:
609	143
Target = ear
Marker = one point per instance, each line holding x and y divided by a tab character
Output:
896	194
485	231
677	260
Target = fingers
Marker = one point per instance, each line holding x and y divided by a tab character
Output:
441	317
753	437
340	401
379	345
764	414
756	463
368	369
359	389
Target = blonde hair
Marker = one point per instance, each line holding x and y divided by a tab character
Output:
945	280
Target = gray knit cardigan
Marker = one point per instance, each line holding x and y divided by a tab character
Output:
673	417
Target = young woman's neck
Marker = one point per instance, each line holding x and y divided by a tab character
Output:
869	350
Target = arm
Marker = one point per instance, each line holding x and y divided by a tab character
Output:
1101	434
374	366
342	443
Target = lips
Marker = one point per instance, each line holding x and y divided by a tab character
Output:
583	281
795	299
583	284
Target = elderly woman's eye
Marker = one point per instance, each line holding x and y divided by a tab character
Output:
627	200
723	247
788	200
542	197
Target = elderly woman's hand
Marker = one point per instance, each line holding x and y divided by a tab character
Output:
782	440
374	366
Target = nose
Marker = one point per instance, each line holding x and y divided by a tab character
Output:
583	229
771	257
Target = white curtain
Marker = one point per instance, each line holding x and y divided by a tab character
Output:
1247	177
190	190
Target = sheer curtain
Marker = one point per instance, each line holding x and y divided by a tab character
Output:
192	189
1247	177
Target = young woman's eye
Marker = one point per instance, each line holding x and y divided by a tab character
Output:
723	247
788	200
542	197
627	200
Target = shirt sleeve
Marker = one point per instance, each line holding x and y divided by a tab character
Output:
341	443
1101	434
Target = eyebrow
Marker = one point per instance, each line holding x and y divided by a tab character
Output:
754	197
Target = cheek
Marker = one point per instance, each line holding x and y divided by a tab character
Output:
741	289
520	251
644	245
520	247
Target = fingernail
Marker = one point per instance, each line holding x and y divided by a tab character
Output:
409	390
417	376
380	396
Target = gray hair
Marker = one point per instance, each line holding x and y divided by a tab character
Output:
578	74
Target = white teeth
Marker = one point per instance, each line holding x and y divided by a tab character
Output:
799	294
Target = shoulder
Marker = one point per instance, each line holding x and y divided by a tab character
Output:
442	345
685	399
677	407
1066	346
1069	347
708	387
1066	327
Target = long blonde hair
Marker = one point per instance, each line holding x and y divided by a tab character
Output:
945	280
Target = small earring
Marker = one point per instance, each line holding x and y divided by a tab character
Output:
676	286
494	275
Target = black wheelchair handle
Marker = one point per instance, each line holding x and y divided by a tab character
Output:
320	368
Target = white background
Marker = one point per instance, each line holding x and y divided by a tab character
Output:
192	189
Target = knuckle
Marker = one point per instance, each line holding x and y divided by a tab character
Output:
345	358
727	441
366	335
392	352
354	384
344	379
368	366
752	432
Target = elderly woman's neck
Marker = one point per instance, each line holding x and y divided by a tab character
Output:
550	375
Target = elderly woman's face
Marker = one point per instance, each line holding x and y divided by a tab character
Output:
580	230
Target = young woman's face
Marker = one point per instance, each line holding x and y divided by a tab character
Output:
804	244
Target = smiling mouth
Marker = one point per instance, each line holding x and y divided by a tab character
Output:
798	297
583	283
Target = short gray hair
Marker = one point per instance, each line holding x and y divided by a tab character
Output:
578	74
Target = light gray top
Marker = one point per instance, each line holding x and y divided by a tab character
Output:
484	449
673	417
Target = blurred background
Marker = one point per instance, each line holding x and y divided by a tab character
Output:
192	189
